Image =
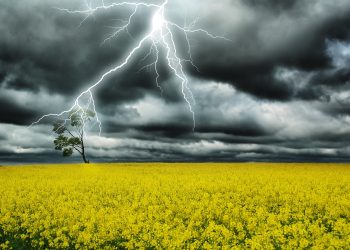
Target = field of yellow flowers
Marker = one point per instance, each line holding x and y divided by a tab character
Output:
175	206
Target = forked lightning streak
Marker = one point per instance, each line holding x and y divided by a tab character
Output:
160	37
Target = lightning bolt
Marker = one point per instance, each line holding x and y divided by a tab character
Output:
160	37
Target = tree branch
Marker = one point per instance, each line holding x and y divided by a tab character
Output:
77	150
70	132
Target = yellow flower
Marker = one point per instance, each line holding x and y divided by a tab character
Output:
176	206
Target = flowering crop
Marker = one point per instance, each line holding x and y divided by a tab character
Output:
175	206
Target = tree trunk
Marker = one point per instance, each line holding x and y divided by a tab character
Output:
84	158
83	150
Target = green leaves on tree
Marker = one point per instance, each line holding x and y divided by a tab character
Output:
71	133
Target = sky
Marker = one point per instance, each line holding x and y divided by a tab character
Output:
278	89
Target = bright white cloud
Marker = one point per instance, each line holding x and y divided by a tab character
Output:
340	53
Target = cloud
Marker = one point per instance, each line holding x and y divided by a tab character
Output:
339	53
268	38
278	91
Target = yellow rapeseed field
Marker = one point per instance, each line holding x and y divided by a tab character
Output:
175	206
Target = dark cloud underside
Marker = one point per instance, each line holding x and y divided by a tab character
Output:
279	90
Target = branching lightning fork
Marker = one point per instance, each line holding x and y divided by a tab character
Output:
160	37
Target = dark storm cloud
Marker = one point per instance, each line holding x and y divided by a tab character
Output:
13	113
62	58
274	5
245	128
337	108
46	46
334	78
291	34
164	130
183	131
278	91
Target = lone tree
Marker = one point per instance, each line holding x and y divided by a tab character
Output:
71	133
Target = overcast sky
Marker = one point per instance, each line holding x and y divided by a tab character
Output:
278	91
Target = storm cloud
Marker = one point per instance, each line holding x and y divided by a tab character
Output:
277	90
